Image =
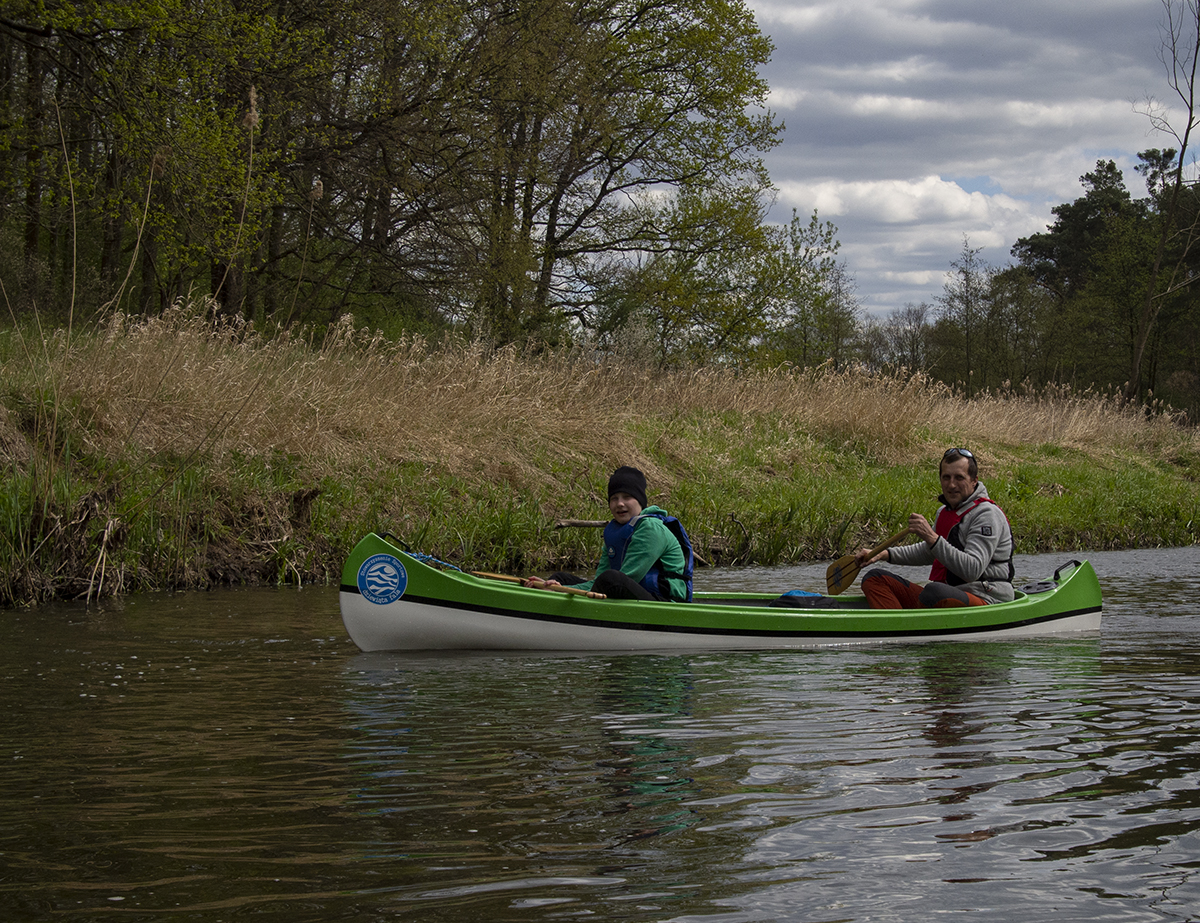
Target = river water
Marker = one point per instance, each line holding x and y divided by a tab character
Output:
232	756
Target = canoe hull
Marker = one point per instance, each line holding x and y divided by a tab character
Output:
417	626
393	601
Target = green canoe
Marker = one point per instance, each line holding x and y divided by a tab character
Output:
392	600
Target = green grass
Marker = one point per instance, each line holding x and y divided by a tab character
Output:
170	455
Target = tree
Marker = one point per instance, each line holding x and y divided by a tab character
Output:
147	133
962	310
1023	339
476	161
589	111
1177	225
817	316
989	329
735	289
901	340
1062	257
711	295
1097	264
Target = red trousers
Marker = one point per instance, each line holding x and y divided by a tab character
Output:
885	590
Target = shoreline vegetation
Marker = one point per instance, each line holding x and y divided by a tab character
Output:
181	452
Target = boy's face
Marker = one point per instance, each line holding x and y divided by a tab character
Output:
623	507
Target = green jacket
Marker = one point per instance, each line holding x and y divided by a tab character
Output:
650	543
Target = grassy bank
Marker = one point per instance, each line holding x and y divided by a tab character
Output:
176	453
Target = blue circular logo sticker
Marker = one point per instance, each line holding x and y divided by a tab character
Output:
382	579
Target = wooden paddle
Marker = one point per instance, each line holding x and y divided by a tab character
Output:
841	573
540	584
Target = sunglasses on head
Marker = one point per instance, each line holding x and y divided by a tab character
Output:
965	453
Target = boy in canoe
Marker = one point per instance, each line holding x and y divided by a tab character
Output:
970	546
646	553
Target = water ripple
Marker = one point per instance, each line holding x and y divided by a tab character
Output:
240	758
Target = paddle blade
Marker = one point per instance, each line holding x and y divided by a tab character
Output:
841	574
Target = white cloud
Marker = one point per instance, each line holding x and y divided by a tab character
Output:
785	98
899	107
892	106
889	201
927	201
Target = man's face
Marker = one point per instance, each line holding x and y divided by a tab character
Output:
957	485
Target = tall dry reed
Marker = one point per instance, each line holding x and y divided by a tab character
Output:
185	382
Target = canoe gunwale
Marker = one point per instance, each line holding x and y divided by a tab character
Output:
733	632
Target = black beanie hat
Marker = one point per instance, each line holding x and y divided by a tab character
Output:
630	481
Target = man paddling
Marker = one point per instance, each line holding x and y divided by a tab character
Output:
970	546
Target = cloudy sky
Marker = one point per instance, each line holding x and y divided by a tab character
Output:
911	123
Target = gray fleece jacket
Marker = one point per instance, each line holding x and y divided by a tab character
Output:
982	562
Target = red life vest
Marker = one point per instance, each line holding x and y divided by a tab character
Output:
946	526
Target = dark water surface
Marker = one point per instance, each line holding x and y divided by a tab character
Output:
232	756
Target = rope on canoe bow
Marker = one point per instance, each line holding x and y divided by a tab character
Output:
430	559
419	555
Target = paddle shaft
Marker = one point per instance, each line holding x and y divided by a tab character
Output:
841	573
541	584
507	578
